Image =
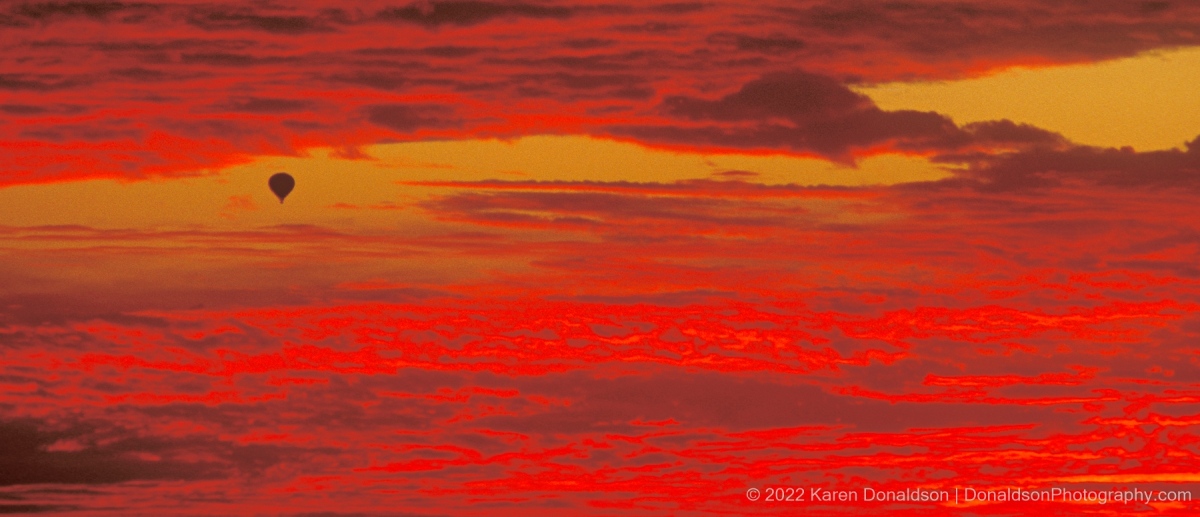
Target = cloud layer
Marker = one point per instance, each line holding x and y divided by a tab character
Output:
526	346
628	340
106	89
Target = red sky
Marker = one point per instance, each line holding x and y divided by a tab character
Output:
596	258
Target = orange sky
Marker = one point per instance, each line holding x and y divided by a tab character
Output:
600	259
1145	101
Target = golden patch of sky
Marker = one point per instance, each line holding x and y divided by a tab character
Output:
370	193
582	158
1147	102
352	220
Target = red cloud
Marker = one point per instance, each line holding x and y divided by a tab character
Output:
591	347
103	89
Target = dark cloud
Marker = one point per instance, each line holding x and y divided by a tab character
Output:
261	105
800	97
162	51
34	455
380	80
595	210
813	113
769	44
949	31
38	82
588	43
735	403
46	309
34	508
651	27
799	111
1049	167
225	19
613	417
583	85
451	51
21	109
94	132
607	80
587	81
379	513
235	60
1154	7
626	64
95	10
679	7
1007	132
432	14
407	118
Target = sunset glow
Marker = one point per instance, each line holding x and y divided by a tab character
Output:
632	258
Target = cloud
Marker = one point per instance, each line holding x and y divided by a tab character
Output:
769	44
1006	132
957	33
587	210
229	19
1126	168
624	209
707	81
99	10
584	347
796	96
729	403
39	456
435	13
36	82
267	106
18	109
806	112
342	398
408	118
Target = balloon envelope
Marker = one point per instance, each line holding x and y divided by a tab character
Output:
281	184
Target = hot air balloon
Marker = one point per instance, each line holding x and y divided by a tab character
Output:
281	184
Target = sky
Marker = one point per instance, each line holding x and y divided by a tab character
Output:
598	258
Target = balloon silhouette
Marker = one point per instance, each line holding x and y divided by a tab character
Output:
281	184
